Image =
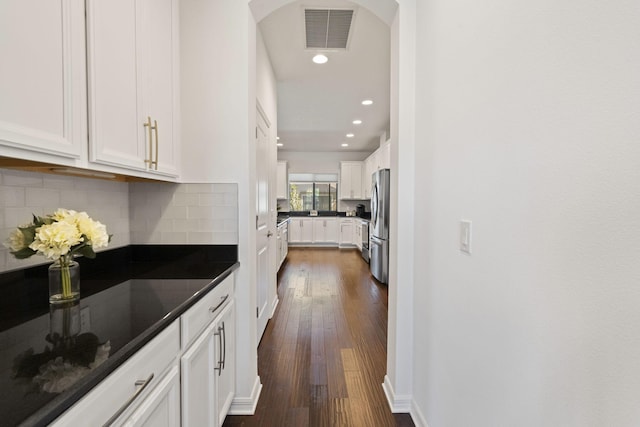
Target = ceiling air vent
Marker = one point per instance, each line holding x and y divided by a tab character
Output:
327	28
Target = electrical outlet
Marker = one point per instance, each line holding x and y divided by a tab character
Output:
465	236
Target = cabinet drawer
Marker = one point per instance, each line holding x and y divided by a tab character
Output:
110	395
198	317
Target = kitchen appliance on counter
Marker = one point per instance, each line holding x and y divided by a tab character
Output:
379	227
360	210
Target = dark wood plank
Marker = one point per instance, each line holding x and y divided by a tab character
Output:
322	359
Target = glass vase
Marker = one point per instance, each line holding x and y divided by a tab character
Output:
64	280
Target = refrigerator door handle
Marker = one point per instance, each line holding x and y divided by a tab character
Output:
374	204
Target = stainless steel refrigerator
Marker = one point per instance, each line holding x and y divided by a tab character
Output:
379	229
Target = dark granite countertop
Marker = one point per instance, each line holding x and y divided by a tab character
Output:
367	215
128	296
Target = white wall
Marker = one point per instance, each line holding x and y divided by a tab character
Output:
218	108
23	194
528	118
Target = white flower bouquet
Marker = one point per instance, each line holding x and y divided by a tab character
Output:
59	237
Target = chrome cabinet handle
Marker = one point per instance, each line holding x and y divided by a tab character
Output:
213	309
224	345
140	383
220	362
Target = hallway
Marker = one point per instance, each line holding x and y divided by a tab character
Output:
322	358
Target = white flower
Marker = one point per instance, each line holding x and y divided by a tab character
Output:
64	232
56	239
63	214
95	231
16	241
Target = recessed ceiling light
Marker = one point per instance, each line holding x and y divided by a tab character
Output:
279	144
345	145
357	122
367	102
320	59
350	135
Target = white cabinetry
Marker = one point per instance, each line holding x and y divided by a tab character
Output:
357	234
42	80
282	189
379	159
282	245
325	230
301	230
132	77
346	232
351	180
384	156
147	375
162	407
208	364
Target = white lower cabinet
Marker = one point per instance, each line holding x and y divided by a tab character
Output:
162	407
146	375
226	353
301	230
208	373
208	364
325	230
346	232
282	245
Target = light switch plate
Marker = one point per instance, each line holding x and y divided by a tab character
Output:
465	236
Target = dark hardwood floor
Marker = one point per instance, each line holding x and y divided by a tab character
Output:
322	358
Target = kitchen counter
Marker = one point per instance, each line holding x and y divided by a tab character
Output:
367	215
127	299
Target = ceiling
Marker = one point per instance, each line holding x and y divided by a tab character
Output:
317	103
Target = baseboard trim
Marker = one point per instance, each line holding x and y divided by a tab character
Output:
247	405
417	416
274	305
397	403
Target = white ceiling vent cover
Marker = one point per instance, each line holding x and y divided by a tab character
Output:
327	28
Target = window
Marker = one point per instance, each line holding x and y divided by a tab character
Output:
318	196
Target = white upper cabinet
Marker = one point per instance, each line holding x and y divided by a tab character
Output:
384	156
351	180
42	80
281	181
132	73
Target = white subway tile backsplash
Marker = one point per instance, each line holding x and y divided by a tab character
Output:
176	212
185	199
13	196
200	212
42	197
173	237
21	178
187	214
140	213
225	188
225	212
27	193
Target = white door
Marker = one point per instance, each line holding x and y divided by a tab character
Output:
262	222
